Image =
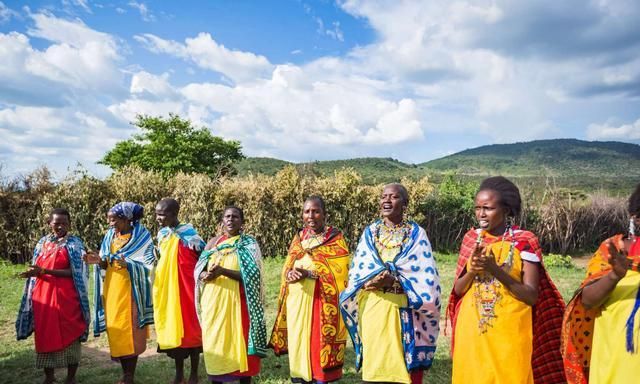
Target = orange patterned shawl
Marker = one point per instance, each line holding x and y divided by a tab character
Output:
578	322
331	261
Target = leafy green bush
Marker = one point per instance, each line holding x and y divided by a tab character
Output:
558	261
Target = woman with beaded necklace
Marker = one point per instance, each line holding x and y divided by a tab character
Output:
503	305
600	329
392	304
308	325
55	305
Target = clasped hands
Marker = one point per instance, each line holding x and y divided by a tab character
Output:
212	273
296	274
381	281
481	262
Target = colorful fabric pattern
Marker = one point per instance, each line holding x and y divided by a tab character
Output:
174	286
187	233
416	270
547	313
578	322
128	210
330	260
69	356
80	274
250	257
138	253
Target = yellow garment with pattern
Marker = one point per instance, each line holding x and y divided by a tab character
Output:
117	304
166	296
381	332
299	318
224	348
502	354
614	365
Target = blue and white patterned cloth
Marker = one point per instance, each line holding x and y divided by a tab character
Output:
138	253
128	210
80	275
187	234
415	268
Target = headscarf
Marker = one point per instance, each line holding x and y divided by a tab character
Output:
128	210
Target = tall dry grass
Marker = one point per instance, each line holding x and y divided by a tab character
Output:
272	207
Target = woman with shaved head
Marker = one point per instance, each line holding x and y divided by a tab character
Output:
392	303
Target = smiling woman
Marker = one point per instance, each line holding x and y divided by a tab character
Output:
392	303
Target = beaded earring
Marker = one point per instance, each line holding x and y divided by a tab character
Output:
632	227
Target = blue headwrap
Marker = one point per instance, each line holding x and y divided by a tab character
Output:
128	210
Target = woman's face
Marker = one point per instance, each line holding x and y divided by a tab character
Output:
232	222
59	225
491	216
313	216
118	223
392	205
636	223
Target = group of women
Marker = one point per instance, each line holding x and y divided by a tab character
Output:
509	323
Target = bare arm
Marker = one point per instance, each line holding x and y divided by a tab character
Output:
35	271
525	291
595	294
464	282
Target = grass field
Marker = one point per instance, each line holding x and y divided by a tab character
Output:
17	358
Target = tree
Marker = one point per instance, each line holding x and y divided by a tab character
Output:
174	145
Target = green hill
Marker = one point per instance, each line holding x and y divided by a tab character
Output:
559	158
586	165
372	169
260	165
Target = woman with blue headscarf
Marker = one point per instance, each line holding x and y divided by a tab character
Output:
123	289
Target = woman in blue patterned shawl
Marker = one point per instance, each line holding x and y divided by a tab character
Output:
123	300
55	305
391	306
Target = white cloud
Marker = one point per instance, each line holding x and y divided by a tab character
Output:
204	51
145	82
436	71
609	131
84	4
6	13
145	13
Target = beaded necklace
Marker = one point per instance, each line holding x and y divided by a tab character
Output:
53	244
391	237
487	288
313	239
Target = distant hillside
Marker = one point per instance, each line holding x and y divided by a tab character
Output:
572	163
559	158
260	165
372	169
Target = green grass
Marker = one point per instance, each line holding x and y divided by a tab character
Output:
17	358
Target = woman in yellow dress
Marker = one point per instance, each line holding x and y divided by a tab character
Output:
123	301
392	304
503	305
308	326
600	329
229	300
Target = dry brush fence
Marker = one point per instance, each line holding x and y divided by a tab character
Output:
272	208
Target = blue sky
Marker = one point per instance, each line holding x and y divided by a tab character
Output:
315	80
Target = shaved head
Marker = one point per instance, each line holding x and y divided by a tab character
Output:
170	205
